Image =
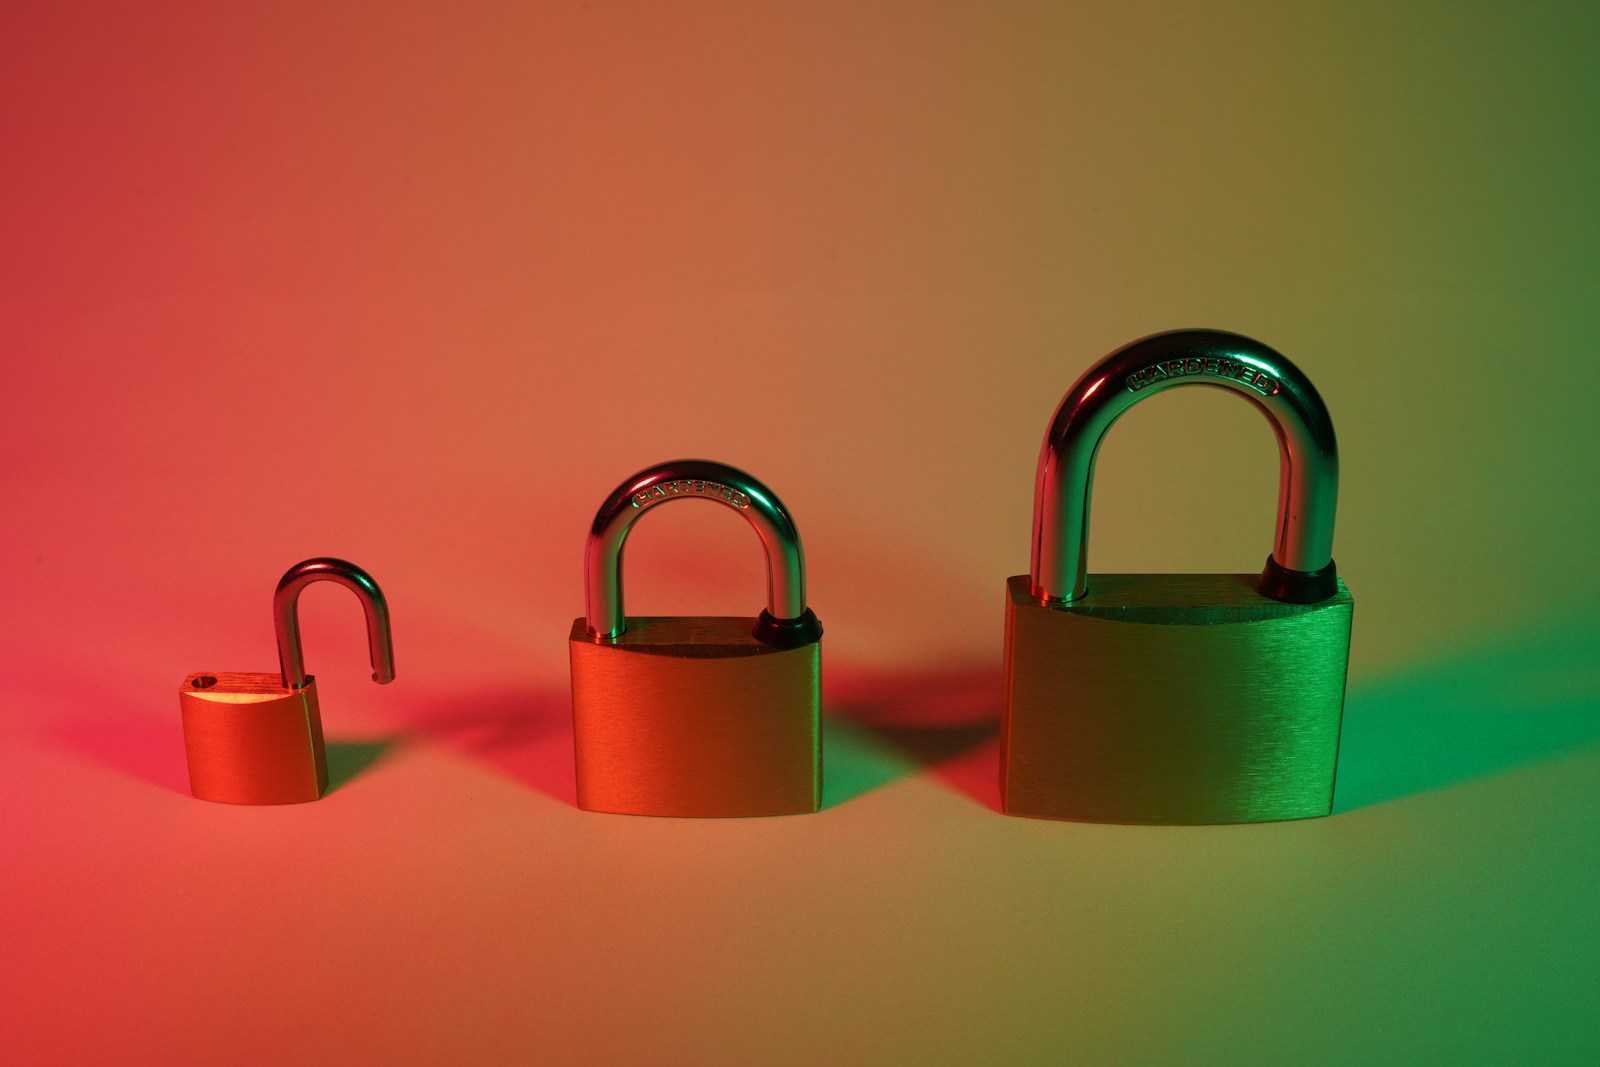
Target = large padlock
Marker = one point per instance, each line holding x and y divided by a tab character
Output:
696	716
1178	698
257	738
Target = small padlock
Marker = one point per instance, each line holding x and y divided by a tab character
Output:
697	716
257	738
1178	698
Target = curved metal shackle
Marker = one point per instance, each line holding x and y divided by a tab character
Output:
286	616
786	622
1301	567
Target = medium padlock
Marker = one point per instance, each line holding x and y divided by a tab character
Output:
1178	698
257	738
696	716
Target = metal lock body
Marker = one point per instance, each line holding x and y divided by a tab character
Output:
1178	698
257	738
697	716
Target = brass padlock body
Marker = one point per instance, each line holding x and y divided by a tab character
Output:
250	740
692	716
1172	698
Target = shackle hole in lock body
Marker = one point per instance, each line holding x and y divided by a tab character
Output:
786	622
1300	568
203	681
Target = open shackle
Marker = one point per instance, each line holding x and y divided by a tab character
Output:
286	617
1300	568
785	623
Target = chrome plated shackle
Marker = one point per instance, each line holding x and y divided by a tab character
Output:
286	617
1300	568
785	623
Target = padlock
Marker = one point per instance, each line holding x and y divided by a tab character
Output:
1178	698
257	738
696	716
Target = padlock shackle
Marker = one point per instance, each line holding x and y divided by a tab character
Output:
1301	567
286	617
786	622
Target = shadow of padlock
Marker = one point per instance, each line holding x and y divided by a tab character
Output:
696	716
257	738
1178	698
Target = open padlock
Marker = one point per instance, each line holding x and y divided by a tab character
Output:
257	738
693	715
1178	698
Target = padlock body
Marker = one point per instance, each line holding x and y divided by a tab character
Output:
1172	698
251	741
692	716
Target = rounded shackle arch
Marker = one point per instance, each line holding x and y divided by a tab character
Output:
786	622
1300	568
286	616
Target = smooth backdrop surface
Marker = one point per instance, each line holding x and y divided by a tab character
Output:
417	285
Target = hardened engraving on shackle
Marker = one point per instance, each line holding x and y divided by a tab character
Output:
678	487
1300	568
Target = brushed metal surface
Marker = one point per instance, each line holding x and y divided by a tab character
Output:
692	716
1172	698
249	740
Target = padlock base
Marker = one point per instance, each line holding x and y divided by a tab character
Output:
251	741
693	717
1172	698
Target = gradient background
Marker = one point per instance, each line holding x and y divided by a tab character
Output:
417	286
